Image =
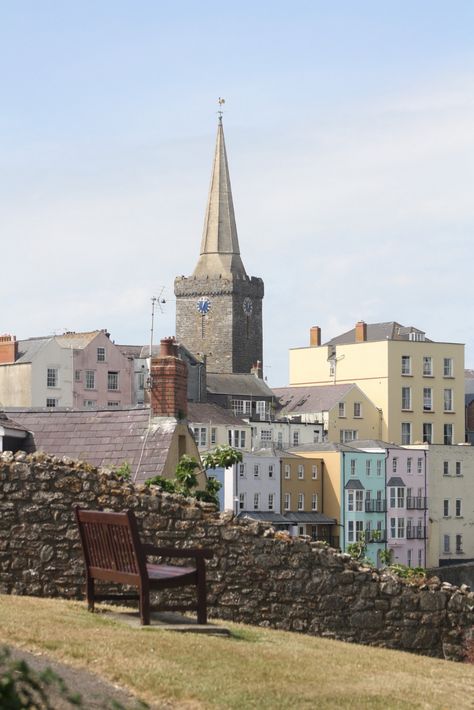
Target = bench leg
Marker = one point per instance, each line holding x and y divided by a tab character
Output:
144	594
201	593
90	593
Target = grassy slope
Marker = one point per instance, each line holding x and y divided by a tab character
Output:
256	668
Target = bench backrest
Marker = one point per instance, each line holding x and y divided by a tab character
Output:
111	545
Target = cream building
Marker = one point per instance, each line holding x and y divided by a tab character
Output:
418	384
450	504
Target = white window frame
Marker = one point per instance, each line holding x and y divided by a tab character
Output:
271	470
256	470
287	471
314	472
51	402
89	380
406	399
379	467
287	501
458	468
406	365
428	432
300	471
101	354
271	501
446	508
357	410
427	399
458	510
300	501
448	434
342	409
256	501
314	502
427	366
448	400
113	381
448	367
52	378
406	433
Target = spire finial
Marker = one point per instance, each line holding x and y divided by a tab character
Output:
221	102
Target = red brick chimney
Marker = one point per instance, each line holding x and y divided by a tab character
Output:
169	382
360	332
8	349
315	336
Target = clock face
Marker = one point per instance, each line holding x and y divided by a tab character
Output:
247	306
203	305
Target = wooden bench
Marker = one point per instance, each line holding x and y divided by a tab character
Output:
113	553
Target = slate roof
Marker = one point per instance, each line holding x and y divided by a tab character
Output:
78	341
353	484
205	412
8	423
238	384
373	444
102	437
27	349
308	400
378	331
326	446
268	517
396	481
310	518
134	351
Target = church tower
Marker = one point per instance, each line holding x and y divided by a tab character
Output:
219	307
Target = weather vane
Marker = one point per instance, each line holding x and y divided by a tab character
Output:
221	102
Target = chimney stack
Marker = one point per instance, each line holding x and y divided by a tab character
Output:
8	349
315	336
256	369
361	332
169	382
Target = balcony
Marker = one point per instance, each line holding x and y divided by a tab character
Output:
375	536
417	532
375	506
417	503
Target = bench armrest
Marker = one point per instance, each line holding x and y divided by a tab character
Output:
196	552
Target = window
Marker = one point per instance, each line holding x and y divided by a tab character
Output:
287	470
458	468
300	501
287	501
448	400
427	399
416	335
266	435
400	497
420	558
406	365
446	543
90	380
241	406
350	501
342	409
379	468
51	402
406	397
262	409
427	366
427	432
357	409
332	368
314	472
406	433
241	470
89	403
359	500
236	438
353	467
241	501
200	436
350	531
296	438
394	464
256	501
409	460
368	465
256	470
446	508
445	468
271	470
448	367
300	471
77	375
347	435
271	501
458	543
113	405
458	508
400	527
280	440
393	527
213	435
100	354
141	380
359	528
112	380
419	465
314	501
447	433
409	557
52	377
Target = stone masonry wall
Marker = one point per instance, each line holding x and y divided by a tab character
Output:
257	576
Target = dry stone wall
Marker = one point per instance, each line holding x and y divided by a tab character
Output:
257	576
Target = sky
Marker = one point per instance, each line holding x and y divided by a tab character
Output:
349	134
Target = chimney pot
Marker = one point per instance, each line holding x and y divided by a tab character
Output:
169	382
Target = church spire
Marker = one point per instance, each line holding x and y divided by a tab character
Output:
220	253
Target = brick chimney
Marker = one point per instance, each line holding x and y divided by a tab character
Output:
169	382
361	332
315	336
8	349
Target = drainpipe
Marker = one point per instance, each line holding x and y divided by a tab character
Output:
426	509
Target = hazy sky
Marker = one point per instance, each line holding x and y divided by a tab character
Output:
350	135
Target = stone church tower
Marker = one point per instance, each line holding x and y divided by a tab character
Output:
219	307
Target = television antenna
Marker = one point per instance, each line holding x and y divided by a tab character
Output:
156	302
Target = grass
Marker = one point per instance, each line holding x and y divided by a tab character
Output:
255	668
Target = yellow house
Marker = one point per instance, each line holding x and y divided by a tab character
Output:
344	411
418	384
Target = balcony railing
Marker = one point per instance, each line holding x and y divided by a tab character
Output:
375	506
375	536
332	540
417	532
417	503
